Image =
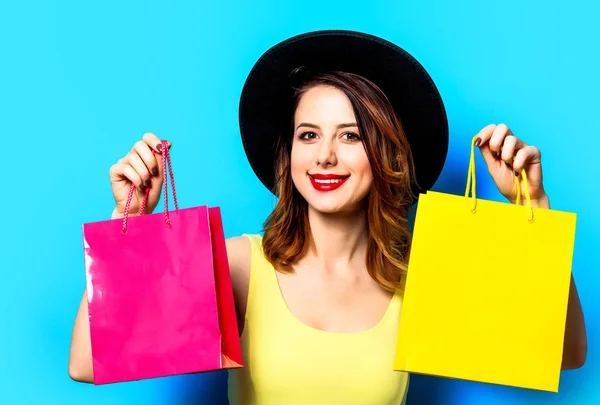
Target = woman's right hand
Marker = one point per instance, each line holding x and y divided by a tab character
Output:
142	168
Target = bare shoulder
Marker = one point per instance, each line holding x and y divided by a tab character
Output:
239	253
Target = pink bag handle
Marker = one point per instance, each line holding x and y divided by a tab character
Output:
166	163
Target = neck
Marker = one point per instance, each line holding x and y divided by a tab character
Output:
338	241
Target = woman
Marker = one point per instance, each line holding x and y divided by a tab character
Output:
346	146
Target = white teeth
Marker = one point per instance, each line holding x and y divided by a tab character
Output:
328	181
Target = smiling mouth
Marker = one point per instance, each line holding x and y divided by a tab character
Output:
327	182
330	181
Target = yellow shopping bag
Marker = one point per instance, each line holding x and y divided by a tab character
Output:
487	290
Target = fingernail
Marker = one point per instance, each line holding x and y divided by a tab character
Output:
494	154
159	147
477	141
155	171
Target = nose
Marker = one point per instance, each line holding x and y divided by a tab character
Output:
326	155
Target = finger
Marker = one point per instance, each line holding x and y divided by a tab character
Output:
123	171
153	141
116	171
497	140
131	174
135	161
526	155
485	134
482	141
145	153
508	150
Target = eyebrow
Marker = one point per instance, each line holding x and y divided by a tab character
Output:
340	126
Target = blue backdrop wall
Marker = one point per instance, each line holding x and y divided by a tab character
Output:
80	82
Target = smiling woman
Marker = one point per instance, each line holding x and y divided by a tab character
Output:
346	144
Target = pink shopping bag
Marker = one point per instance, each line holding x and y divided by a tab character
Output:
159	291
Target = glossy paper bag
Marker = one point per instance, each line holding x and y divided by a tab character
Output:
487	290
159	294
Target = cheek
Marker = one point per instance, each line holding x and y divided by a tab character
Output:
299	162
359	164
363	171
367	176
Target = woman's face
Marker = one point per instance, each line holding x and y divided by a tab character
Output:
329	163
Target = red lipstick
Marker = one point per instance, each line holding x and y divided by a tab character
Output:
327	182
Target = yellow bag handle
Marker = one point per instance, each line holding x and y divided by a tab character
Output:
471	184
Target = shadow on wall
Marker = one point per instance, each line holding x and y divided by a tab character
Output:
197	389
211	388
426	390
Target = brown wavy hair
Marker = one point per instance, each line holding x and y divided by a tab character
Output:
287	229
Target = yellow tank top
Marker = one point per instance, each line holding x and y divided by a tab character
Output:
288	362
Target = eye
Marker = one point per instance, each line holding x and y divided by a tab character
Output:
351	136
307	135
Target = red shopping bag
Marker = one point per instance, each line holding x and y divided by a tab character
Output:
159	293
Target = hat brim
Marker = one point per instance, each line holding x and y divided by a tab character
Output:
266	98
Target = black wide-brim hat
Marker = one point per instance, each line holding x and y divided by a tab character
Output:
266	108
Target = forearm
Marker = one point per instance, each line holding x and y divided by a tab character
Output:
575	340
80	356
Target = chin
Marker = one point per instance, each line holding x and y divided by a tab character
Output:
329	208
333	204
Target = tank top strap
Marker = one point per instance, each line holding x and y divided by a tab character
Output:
396	304
258	260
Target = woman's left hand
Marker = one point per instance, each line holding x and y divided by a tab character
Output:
505	156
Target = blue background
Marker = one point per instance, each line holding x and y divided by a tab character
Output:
80	82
